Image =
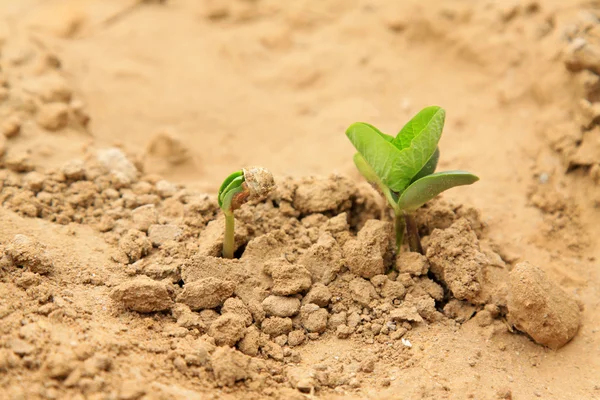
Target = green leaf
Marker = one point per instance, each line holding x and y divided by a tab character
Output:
370	175
397	168
426	188
383	158
430	118
422	147
365	169
387	137
428	168
232	181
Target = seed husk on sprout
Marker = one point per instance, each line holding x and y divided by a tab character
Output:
237	189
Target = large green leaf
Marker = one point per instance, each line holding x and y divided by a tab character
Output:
426	188
387	137
428	168
430	118
380	154
365	169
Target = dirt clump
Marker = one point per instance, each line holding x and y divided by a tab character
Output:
314	318
113	160
288	279
276	326
363	261
227	329
199	267
323	259
319	294
460	311
578	142
406	312
538	307
229	366
211	243
25	252
53	116
296	337
412	263
389	289
205	293
144	216
187	318
280	306
371	252
144	295
456	258
249	344
236	306
362	291
161	234
320	194
134	245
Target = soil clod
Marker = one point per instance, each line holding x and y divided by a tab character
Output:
538	307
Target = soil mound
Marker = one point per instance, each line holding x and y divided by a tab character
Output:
314	261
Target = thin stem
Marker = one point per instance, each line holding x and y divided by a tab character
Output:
399	225
387	193
412	230
229	242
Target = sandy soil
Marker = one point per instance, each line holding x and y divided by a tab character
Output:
110	282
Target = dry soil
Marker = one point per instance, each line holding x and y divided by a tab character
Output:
119	120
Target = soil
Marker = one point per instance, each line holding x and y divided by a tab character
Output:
120	119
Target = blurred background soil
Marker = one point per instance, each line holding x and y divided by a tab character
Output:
193	90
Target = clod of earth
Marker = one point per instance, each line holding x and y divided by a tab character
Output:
281	306
161	234
229	366
206	293
233	305
314	318
250	343
276	326
288	278
144	295
30	254
227	330
538	307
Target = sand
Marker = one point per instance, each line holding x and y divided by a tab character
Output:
120	119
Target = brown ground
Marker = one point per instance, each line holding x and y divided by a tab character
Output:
100	298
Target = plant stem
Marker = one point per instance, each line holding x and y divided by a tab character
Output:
399	225
412	230
387	193
229	242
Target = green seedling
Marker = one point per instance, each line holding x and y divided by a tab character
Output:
237	189
403	167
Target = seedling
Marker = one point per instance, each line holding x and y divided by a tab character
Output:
237	189
402	167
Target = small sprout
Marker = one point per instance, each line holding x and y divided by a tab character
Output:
403	167
238	188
